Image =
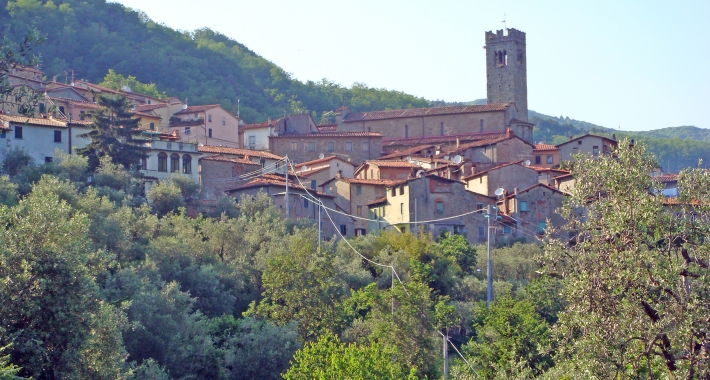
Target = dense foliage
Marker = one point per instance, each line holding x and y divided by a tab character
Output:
87	38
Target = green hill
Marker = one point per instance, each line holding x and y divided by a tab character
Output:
89	37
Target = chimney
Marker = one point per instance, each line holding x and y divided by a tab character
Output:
458	142
571	137
613	136
509	133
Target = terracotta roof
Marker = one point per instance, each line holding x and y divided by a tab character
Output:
418	112
237	151
261	125
329	135
319	160
406	152
474	175
445	139
82	102
193	109
308	172
376	182
186	123
377	201
518	121
544	169
391	164
545	147
512	195
48	122
667	177
150	107
138	113
236	160
327	127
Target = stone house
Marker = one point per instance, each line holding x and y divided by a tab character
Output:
591	145
218	173
509	148
564	183
352	196
546	155
315	172
265	159
508	176
355	146
208	125
547	175
427	200
533	208
300	204
382	169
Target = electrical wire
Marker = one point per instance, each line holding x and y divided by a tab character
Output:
416	222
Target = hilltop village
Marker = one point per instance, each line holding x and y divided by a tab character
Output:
433	169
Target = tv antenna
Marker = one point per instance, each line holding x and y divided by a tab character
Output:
505	25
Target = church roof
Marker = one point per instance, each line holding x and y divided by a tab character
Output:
419	112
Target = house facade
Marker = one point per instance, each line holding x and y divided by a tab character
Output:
590	145
208	125
41	136
507	176
166	157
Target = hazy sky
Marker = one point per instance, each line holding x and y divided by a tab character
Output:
639	64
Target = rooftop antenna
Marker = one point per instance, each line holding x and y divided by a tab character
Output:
237	107
505	25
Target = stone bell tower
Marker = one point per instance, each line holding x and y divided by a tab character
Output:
506	70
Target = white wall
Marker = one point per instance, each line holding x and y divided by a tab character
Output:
38	141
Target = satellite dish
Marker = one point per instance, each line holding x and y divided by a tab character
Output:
527	162
499	191
184	106
457	159
321	155
420	173
409	158
304	168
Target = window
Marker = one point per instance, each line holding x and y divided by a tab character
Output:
57	136
41	108
479	206
394	191
152	125
401	190
209	132
360	232
401	208
383	212
331	146
294	146
343	229
252	142
358	189
371	174
506	229
187	164
537	159
61	109
305	202
47	160
523	205
365	146
359	210
440	207
550	160
541	227
481	125
595	151
311	147
18	132
144	163
209	118
481	231
348	147
441	127
162	162
406	131
187	130
174	163
3	134
82	114
196	116
224	121
313	184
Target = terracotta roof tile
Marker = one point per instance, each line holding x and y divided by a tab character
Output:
667	177
193	109
378	201
329	135
320	160
308	172
150	107
34	121
237	151
406	152
392	164
236	160
488	170
545	147
327	127
418	112
276	181
445	139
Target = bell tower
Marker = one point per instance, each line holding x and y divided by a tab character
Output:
506	70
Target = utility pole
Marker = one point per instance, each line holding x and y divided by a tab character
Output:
288	211
489	293
320	226
446	353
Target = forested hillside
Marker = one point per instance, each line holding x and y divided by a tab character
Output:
89	37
